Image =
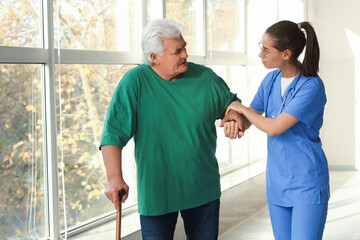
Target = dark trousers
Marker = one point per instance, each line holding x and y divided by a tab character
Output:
200	223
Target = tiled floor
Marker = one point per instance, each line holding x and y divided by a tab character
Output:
244	214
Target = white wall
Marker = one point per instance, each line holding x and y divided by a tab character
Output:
338	29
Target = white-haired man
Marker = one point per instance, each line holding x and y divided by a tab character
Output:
169	106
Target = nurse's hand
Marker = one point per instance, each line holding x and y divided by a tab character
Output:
237	117
236	106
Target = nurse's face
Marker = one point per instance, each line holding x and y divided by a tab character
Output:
270	56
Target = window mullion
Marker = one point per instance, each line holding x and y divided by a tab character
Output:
23	55
49	93
205	24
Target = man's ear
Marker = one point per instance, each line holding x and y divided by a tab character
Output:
154	58
287	54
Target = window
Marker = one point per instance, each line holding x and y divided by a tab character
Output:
257	139
22	209
230	153
261	14
20	22
190	15
97	25
86	91
226	29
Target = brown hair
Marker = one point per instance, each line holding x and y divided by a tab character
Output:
288	35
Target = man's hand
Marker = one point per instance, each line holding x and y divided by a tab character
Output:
112	190
232	131
234	125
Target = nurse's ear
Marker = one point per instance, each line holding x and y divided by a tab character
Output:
286	54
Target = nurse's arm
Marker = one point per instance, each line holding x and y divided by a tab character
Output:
271	126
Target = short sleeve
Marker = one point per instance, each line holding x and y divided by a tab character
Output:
120	122
258	101
308	101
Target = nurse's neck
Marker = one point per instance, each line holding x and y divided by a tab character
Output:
290	70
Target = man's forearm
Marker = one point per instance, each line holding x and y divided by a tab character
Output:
115	182
112	161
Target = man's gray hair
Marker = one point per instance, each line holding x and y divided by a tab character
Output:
153	35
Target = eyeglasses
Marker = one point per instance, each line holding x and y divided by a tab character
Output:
264	52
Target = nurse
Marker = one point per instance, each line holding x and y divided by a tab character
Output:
293	99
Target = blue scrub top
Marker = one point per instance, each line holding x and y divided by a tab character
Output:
297	170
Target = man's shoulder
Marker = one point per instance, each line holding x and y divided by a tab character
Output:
140	69
199	70
198	67
135	73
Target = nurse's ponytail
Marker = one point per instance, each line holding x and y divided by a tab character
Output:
310	64
289	35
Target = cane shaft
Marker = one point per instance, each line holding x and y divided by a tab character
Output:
118	224
118	215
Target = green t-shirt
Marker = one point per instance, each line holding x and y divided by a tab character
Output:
173	124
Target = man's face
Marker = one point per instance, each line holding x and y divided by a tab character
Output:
174	60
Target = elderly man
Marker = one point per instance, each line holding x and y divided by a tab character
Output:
169	106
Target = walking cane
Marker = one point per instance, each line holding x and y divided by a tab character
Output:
118	216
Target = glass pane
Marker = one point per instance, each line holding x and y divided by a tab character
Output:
261	14
189	15
238	84
22	214
223	151
96	25
20	23
230	152
86	91
154	9
257	139
226	25
222	144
